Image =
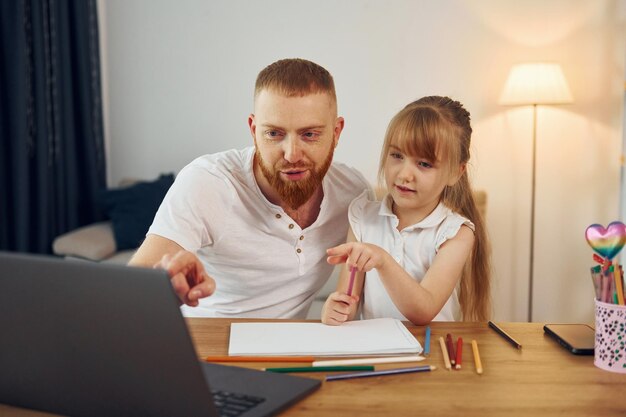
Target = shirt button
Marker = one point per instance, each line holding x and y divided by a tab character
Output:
291	226
301	237
278	216
299	250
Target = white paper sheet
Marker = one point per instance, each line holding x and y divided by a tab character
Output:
360	337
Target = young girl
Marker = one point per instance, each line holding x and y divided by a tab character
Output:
421	253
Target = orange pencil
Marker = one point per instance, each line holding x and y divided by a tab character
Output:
259	359
459	353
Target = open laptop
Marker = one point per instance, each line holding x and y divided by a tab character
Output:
88	339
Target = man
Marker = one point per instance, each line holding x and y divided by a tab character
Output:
256	223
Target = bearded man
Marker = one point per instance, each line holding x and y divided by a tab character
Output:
244	233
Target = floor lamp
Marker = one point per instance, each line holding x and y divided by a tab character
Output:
534	84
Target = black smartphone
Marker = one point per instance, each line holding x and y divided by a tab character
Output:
577	338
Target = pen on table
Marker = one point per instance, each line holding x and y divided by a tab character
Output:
427	341
477	362
320	369
426	368
450	346
444	352
259	359
504	334
364	361
351	283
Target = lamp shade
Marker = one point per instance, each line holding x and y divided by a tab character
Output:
536	83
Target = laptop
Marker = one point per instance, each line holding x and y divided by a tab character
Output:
88	339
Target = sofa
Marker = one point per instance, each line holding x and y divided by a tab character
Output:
130	209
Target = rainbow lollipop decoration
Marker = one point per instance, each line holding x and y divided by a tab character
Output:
606	242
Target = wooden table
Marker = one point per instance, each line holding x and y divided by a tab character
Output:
540	379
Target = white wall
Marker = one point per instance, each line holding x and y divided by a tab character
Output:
181	74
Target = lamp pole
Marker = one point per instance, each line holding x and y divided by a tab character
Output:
532	217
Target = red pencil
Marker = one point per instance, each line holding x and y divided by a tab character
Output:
450	346
459	352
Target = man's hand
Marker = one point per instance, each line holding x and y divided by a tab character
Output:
188	277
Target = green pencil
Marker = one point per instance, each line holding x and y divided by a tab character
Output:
321	369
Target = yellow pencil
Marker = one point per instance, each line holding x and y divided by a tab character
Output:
444	352
479	365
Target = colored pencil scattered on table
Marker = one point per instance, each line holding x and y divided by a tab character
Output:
259	359
450	347
320	369
477	362
365	361
444	352
459	352
396	371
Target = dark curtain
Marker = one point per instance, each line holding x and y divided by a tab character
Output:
52	152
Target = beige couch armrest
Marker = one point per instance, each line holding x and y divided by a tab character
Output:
95	242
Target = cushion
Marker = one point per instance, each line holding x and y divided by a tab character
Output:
132	209
95	242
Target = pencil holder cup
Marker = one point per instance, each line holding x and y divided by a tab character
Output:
610	344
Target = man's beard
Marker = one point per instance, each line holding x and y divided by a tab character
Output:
295	193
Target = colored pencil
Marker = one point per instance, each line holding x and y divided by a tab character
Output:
619	289
365	361
606	286
504	334
450	346
426	368
477	362
596	277
259	359
459	352
320	369
444	352
351	283
427	341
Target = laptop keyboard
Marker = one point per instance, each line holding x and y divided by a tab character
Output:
230	404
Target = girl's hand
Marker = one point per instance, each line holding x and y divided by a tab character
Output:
364	256
338	307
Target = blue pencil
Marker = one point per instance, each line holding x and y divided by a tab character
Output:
396	371
427	342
